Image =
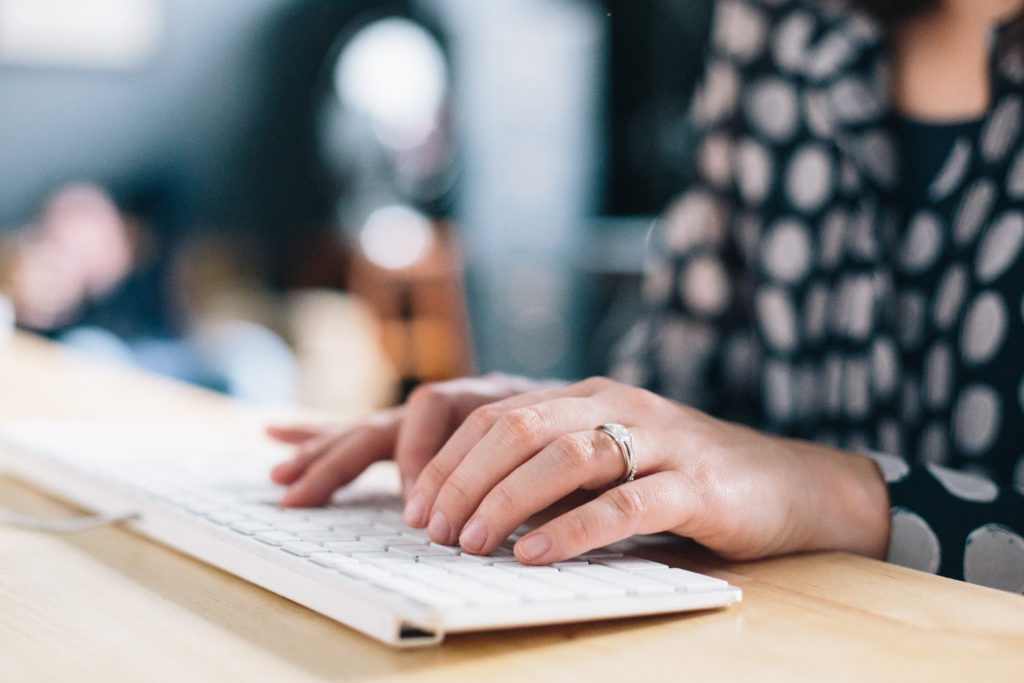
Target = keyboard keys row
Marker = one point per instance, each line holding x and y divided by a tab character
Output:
505	583
380	549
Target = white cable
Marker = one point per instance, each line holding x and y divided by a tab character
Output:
64	526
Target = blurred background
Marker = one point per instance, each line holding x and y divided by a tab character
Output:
329	201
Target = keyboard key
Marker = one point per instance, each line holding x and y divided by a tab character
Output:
250	527
525	588
445	549
474	591
300	526
350	547
539	591
323	536
330	516
581	585
636	584
203	507
472	571
392	518
418	535
449	561
524	570
331	560
357	530
302	549
414	551
421	572
478	559
225	517
384	540
430	595
276	537
630	564
264	513
687	581
361	570
381	557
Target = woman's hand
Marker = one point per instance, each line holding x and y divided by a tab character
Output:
739	492
327	458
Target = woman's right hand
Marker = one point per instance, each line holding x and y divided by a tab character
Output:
328	457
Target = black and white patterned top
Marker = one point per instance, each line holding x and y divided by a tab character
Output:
803	288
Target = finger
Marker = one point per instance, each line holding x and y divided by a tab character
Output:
433	412
305	454
293	434
517	436
428	421
346	458
471	430
587	459
661	501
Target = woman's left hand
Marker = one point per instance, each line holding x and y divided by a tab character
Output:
741	493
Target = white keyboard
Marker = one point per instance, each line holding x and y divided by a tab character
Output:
205	492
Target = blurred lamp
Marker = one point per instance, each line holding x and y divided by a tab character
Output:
395	237
394	72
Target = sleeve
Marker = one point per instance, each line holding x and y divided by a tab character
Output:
957	524
694	343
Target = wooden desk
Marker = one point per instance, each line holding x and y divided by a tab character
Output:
109	605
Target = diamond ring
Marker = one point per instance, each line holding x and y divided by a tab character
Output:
624	440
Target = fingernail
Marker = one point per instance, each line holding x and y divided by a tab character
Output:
474	536
415	510
440	531
532	547
407	487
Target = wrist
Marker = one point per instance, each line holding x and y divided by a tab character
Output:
850	505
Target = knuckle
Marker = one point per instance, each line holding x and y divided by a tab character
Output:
523	424
456	490
433	475
646	400
641	400
627	504
484	417
576	450
501	504
577	531
597	383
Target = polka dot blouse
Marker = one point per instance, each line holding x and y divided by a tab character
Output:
836	274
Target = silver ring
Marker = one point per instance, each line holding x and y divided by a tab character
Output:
624	440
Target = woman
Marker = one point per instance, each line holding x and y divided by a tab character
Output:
845	273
